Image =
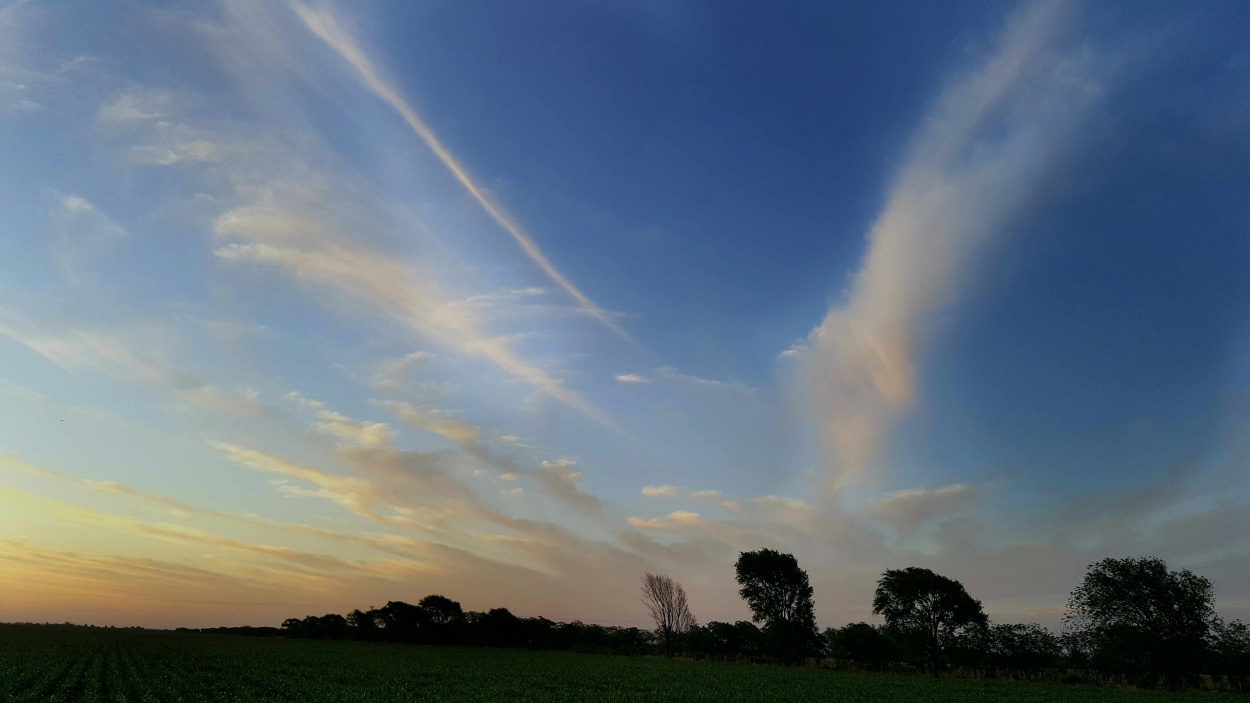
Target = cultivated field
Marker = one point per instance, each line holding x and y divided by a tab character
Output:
43	664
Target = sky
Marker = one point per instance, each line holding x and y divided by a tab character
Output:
309	306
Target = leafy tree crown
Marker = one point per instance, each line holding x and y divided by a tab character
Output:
775	588
1142	595
930	608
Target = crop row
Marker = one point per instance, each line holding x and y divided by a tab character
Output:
96	665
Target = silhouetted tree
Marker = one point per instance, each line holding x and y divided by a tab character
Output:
1232	654
967	648
363	623
1138	619
401	621
441	620
927	608
747	639
1022	649
779	596
666	600
535	633
500	628
722	640
442	610
330	626
861	643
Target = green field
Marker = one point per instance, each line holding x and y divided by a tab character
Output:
46	664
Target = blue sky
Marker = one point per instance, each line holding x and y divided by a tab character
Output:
308	306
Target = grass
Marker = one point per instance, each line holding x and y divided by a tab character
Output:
52	665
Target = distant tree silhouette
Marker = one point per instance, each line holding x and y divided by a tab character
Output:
1021	649
747	639
725	641
1138	619
780	596
499	628
401	621
364	624
329	627
929	610
861	643
666	600
441	609
1231	648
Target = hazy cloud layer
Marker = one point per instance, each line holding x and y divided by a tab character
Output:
987	145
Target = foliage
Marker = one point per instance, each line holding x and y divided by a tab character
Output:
441	610
1138	619
1231	647
1024	649
400	621
726	642
325	627
497	627
780	596
862	644
929	610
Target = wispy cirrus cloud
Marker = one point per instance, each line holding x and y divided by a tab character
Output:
558	478
314	251
77	348
327	27
989	141
407	491
354	432
174	507
284	199
396	372
678	378
155	120
23	78
354	494
287	202
671	374
465	434
81	235
139	104
364	434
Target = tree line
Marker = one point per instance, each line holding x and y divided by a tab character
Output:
1130	620
439	620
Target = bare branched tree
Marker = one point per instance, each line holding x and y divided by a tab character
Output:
666	600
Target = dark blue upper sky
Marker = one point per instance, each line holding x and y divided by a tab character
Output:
712	153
